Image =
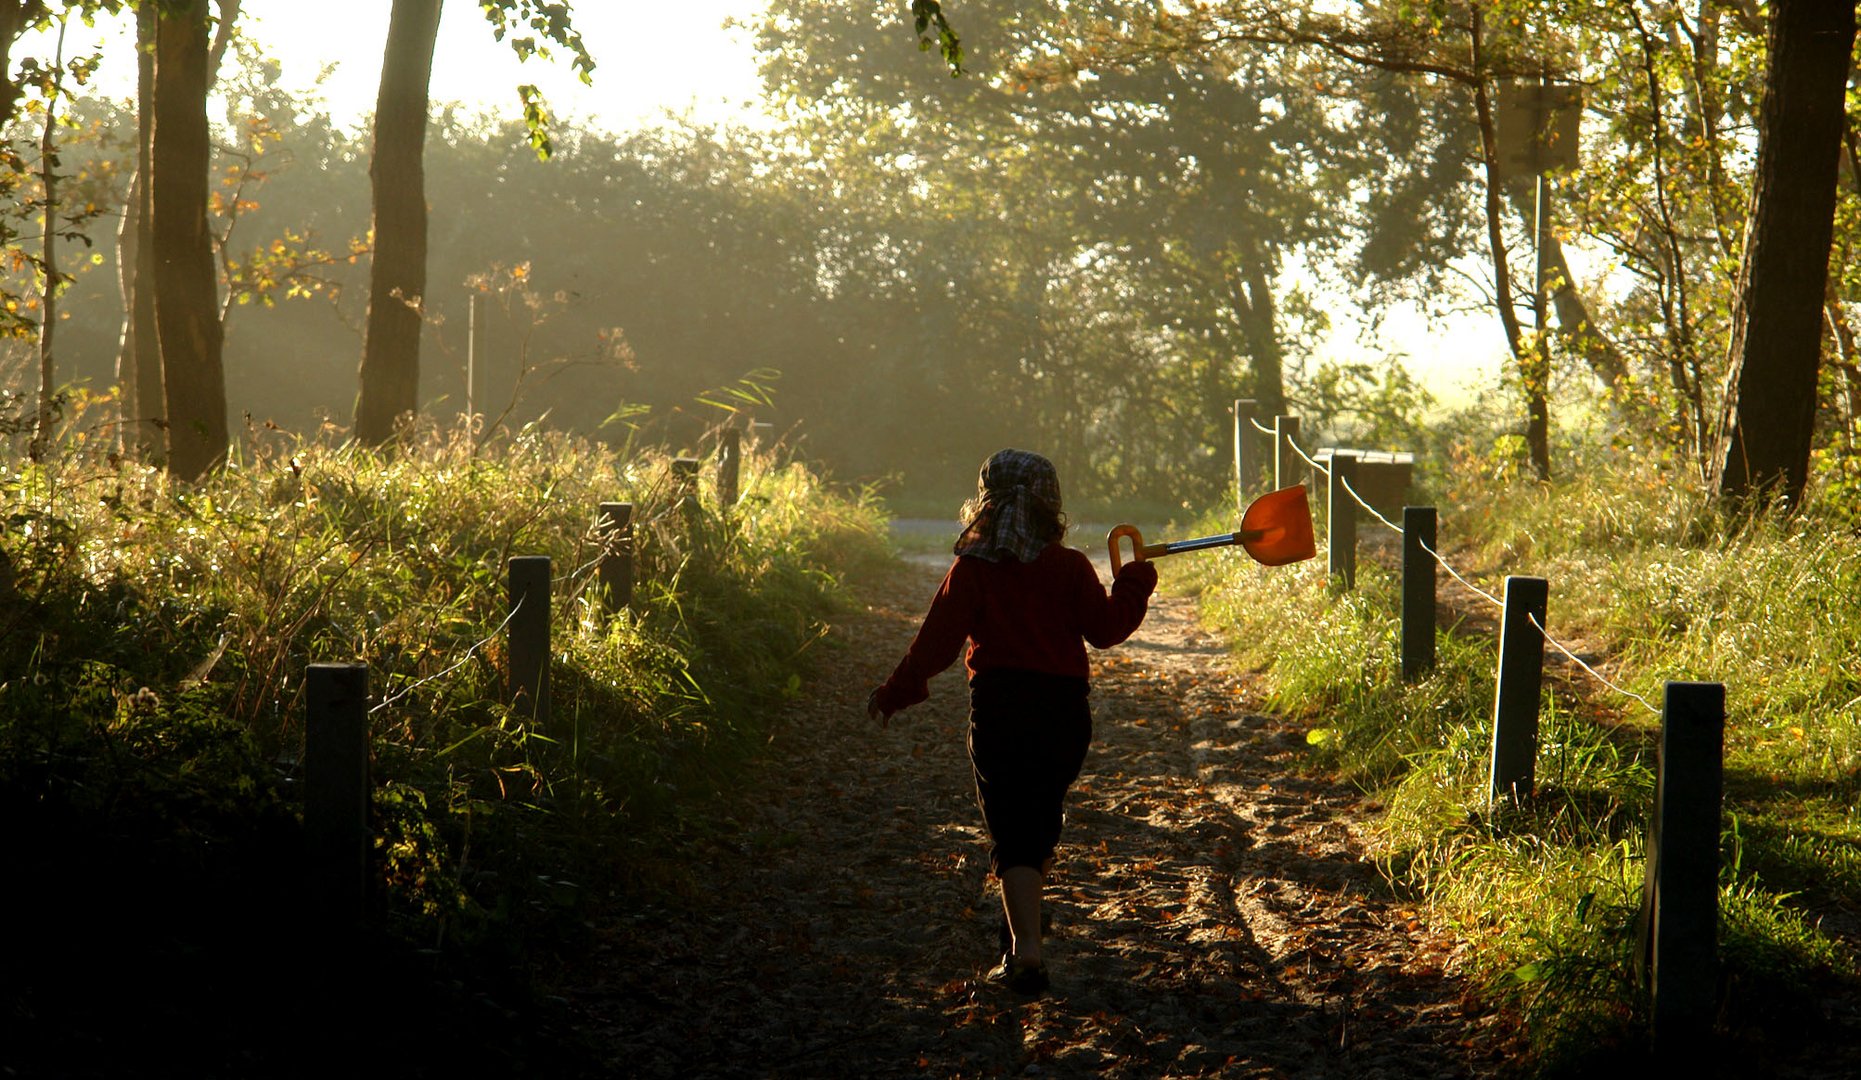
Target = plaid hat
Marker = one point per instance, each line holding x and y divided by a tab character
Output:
1014	484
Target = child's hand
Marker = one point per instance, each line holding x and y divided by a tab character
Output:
874	711
1142	573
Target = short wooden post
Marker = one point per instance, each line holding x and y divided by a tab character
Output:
1246	451
1678	959
336	787
1286	461
1515	699
616	570
529	637
729	465
1341	518
1418	592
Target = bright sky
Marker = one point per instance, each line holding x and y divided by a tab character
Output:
650	56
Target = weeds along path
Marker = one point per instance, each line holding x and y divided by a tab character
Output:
1213	913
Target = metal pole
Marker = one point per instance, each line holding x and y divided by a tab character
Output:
1286	460
1680	894
336	787
474	325
1515	699
616	571
1341	519
529	637
1418	592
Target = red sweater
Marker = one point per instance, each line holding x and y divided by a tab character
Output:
1035	616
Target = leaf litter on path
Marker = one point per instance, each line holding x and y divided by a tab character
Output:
1213	911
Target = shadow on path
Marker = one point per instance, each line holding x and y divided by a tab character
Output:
1213	914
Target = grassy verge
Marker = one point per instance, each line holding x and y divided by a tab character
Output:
1644	575
153	640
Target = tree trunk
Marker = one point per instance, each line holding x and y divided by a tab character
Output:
1530	361
186	286
1251	293
390	375
139	354
48	254
1776	349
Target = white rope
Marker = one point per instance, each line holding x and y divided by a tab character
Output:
463	660
1261	428
1308	458
1490	598
1597	675
580	570
1352	492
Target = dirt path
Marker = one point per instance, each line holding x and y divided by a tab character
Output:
1213	915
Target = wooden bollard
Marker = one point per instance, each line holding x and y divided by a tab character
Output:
1515	699
1246	451
1418	592
1678	958
1341	519
685	483
529	637
616	570
729	465
1286	461
336	788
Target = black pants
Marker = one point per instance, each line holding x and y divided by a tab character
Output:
1028	733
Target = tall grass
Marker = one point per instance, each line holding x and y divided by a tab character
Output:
1648	578
154	636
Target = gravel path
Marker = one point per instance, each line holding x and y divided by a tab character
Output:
1213	912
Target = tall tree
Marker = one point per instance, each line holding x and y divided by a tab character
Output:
1769	411
390	375
139	355
48	249
186	282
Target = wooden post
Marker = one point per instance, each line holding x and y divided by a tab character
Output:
1341	518
1286	460
1678	959
1418	592
685	476
529	637
336	787
1515	699
616	571
729	465
1246	451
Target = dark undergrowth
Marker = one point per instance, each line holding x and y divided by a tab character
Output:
153	643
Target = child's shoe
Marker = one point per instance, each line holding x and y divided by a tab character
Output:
1025	979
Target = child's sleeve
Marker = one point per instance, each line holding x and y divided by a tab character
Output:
938	642
1108	620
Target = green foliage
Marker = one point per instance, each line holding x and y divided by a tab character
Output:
153	639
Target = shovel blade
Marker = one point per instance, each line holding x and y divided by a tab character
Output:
1283	521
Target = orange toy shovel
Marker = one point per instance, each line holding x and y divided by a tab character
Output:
1275	530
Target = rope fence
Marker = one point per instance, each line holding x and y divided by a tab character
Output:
1679	919
337	709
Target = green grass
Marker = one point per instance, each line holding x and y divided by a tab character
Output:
1646	574
153	641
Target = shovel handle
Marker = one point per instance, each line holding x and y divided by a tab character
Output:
1139	550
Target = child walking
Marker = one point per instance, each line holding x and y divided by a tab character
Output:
1027	605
